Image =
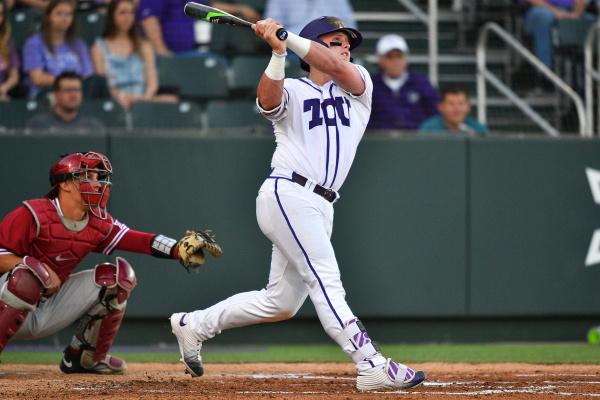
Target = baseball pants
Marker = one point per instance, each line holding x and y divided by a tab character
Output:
299	224
75	297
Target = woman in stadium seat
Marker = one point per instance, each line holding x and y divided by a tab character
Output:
9	58
125	58
55	49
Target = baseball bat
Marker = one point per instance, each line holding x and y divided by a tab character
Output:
216	16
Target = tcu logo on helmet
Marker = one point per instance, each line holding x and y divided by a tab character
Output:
330	108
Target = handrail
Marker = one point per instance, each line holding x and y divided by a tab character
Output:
430	21
591	74
483	73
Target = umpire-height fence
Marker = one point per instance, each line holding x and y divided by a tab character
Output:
426	227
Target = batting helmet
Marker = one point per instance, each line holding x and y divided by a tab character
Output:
324	25
95	191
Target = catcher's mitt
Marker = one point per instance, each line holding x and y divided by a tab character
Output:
190	248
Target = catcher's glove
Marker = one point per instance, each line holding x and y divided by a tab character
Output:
190	248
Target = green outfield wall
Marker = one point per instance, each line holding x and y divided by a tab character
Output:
425	228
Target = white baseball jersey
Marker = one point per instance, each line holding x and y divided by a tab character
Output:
317	129
333	121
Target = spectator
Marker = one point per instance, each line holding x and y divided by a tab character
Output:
55	49
125	58
65	117
171	32
401	99
295	14
540	19
454	115
9	59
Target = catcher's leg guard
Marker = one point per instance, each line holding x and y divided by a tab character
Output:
18	296
88	351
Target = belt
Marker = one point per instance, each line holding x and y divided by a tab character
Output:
327	194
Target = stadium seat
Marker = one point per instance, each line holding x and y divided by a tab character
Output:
24	23
91	25
109	112
233	41
235	114
16	113
200	78
153	115
246	72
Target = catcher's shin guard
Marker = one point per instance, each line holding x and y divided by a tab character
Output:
19	295
97	329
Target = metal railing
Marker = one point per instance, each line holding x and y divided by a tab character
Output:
483	75
592	75
430	19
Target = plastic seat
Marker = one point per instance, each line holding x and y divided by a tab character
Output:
109	112
24	23
235	114
246	72
91	25
233	41
154	115
201	78
15	114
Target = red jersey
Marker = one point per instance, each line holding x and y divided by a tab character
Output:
39	229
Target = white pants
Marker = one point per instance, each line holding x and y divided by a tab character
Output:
299	223
75	297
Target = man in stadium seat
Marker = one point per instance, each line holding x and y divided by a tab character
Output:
402	99
454	115
65	116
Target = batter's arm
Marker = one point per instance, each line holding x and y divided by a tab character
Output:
270	86
343	73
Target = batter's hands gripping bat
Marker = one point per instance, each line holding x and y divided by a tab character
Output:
216	16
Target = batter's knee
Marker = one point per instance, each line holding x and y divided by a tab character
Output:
285	307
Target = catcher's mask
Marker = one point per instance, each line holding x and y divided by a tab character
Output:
92	172
324	25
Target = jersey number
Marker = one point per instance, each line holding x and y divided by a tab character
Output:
330	108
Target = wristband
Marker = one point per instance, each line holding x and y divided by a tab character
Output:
163	246
298	45
276	68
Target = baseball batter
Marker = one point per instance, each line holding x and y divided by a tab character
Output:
43	241
318	123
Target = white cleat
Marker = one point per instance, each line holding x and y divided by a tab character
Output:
189	345
391	375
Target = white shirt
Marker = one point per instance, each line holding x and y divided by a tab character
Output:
318	128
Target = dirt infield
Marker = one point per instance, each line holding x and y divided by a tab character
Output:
305	381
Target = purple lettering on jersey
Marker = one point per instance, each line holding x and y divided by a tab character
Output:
313	104
329	121
337	104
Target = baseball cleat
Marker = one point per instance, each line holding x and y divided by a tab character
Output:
71	364
189	345
391	375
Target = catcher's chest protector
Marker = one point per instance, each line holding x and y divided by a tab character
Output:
60	248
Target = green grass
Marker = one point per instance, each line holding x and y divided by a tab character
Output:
471	353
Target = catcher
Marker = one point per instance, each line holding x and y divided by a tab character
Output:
41	243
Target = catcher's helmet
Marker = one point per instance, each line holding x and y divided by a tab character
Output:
324	25
94	192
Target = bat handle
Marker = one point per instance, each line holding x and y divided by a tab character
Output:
281	34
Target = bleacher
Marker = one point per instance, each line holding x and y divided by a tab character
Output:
220	86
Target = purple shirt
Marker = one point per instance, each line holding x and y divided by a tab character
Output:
416	101
177	28
564	4
36	55
13	61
